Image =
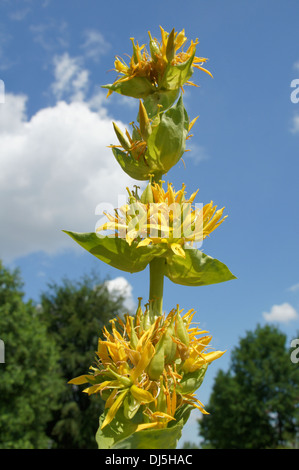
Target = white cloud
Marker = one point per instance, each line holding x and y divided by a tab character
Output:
71	79
95	45
20	15
281	313
120	286
52	35
294	288
295	124
55	168
197	153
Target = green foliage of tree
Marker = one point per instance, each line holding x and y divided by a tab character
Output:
255	404
75	313
30	382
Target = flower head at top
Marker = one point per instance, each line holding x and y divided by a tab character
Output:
166	67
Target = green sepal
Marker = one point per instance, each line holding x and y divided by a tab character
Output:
176	75
136	169
159	101
166	438
136	87
165	145
196	269
116	251
192	380
120	428
121	433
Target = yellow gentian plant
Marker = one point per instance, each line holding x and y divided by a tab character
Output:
149	365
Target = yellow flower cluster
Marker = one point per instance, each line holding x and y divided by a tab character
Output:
150	369
154	64
168	219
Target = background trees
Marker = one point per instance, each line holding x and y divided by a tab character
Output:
255	404
45	346
75	313
30	382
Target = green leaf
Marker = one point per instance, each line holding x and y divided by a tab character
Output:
196	269
116	251
121	433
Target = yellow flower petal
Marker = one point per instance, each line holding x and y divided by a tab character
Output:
146	356
141	395
82	379
144	242
177	249
114	408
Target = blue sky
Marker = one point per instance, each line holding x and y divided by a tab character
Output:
55	167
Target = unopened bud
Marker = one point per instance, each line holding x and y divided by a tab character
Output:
121	138
145	126
170	48
181	330
154	48
156	366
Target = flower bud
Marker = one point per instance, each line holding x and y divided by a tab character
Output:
154	48
146	319
145	127
170	48
180	329
156	366
170	346
121	138
147	196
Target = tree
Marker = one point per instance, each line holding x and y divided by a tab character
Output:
75	313
30	383
255	404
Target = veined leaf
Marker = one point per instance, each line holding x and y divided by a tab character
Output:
196	269
116	251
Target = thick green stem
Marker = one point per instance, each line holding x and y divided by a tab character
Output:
156	287
157	178
156	268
